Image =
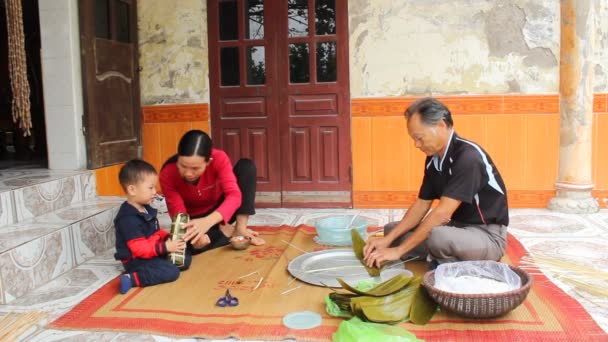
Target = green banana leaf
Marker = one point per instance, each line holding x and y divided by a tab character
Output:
392	308
342	300
423	307
386	288
358	244
399	302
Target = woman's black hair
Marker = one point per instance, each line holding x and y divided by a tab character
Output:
193	143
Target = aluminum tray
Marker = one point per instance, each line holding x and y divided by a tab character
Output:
323	267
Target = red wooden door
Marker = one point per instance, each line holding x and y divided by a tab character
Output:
314	103
280	95
244	97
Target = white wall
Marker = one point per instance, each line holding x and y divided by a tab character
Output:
62	84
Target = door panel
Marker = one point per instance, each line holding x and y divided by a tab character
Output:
280	95
244	100
329	154
258	147
239	107
108	39
315	98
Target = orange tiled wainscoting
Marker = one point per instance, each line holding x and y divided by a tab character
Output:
163	126
520	132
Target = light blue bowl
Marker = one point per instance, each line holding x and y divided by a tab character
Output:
333	230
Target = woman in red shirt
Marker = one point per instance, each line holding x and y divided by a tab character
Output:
199	180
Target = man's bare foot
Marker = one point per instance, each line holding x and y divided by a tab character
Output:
255	240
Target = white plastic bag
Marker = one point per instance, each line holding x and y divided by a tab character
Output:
476	277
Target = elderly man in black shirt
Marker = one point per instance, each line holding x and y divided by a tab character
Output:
470	221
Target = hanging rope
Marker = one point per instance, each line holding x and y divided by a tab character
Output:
17	65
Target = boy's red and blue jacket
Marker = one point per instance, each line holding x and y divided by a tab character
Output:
138	234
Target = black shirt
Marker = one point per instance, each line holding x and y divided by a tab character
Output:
466	173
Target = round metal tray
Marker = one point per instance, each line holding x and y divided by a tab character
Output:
323	267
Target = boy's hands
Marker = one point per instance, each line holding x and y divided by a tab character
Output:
175	246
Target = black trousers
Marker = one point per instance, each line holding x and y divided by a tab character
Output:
156	270
245	173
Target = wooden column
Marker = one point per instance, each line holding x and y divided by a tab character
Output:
574	183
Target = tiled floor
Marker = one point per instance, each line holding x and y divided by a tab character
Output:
583	239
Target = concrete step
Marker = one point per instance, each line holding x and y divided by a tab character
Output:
26	194
40	248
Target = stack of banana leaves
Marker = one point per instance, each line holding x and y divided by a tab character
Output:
396	300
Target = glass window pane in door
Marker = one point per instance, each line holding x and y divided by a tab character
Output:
229	27
326	62
297	18
298	63
255	15
229	64
122	22
256	65
102	19
325	17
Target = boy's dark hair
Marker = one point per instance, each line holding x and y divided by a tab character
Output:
134	171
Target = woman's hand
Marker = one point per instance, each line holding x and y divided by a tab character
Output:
202	242
197	229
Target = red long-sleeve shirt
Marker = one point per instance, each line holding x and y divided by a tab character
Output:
218	179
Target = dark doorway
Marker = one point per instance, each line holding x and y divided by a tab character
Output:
15	149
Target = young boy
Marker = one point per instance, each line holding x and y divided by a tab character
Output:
140	243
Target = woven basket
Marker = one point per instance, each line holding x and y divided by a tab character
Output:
479	305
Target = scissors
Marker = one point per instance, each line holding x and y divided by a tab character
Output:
227	300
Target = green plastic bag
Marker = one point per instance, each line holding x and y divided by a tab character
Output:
333	309
355	330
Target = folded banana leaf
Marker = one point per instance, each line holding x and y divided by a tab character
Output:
423	307
396	300
358	244
386	288
357	311
392	308
342	300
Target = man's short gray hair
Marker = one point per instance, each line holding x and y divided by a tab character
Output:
431	112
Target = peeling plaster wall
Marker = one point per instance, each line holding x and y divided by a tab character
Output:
173	51
407	47
601	49
418	47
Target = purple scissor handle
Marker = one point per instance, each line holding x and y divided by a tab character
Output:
227	300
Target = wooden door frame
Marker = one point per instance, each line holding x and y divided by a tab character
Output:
333	197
